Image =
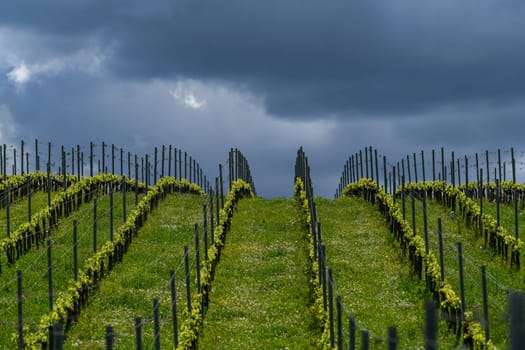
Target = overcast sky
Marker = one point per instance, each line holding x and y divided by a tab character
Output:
266	77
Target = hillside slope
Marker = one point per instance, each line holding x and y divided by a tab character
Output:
129	290
260	295
374	279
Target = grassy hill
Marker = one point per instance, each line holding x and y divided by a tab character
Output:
260	296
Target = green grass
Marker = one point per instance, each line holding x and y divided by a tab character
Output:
375	281
506	216
129	290
501	277
18	211
34	265
260	295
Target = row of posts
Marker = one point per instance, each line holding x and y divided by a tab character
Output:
355	169
195	174
325	279
485	316
211	220
56	333
7	200
333	305
239	169
365	164
75	258
170	161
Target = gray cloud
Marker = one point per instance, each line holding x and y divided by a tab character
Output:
207	76
307	58
139	116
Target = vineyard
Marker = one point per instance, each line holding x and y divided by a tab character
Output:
109	250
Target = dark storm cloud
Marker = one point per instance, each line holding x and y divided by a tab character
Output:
349	58
70	109
401	76
307	58
480	124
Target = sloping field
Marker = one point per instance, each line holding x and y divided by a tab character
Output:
260	295
35	269
507	215
144	274
372	276
501	278
19	210
271	280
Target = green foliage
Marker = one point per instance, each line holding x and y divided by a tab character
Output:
302	201
374	277
508	188
317	307
38	181
500	240
128	291
98	265
442	290
192	323
62	205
